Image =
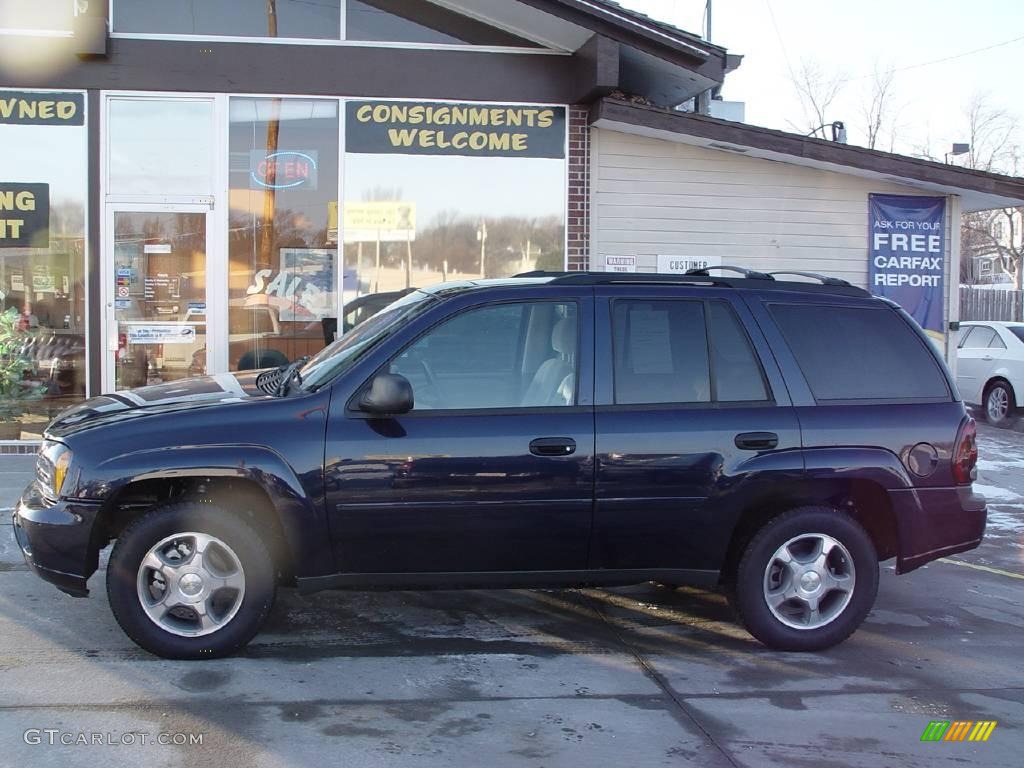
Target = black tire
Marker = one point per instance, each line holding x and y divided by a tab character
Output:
750	601
161	522
1005	391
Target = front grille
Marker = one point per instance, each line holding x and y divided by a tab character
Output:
44	472
44	478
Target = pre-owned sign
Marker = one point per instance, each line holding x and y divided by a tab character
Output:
24	215
39	108
437	128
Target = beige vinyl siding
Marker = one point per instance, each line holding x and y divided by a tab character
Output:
651	197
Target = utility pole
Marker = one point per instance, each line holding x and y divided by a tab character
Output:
481	235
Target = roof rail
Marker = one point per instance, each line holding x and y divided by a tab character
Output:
750	274
823	279
748	280
599	278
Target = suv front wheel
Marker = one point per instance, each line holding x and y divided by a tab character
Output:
806	580
189	580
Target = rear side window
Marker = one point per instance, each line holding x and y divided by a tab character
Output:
859	353
980	337
679	351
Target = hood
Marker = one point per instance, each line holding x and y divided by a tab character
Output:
185	394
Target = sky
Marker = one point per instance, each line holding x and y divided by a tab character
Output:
852	38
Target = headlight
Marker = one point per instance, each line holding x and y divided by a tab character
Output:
52	467
60	471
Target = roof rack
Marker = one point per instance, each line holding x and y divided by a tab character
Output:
823	279
748	280
598	278
750	274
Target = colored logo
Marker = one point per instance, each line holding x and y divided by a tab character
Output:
958	730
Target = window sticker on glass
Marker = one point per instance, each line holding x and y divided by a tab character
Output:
649	341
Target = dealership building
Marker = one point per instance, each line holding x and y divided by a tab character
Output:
202	186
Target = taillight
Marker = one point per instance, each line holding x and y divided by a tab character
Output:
965	454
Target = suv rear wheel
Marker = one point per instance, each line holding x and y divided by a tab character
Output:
806	580
189	580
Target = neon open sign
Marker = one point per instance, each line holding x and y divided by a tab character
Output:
284	169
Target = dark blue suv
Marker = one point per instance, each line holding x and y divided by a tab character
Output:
774	438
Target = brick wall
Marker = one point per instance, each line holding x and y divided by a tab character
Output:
578	222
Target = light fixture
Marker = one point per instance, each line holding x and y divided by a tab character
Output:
958	149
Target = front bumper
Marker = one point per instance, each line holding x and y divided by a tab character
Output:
57	540
936	522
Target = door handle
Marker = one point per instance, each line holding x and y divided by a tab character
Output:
553	446
757	441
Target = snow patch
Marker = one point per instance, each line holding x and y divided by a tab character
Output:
1005	522
994	493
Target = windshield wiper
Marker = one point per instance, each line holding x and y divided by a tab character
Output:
289	372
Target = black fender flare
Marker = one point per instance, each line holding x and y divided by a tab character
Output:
301	514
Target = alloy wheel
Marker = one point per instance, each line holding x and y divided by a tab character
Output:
191	584
809	581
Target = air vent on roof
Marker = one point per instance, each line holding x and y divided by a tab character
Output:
728	147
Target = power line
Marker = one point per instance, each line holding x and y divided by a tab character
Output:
782	44
942	60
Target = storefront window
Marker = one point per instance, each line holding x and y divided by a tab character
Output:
40	15
283	261
300	19
42	258
160	147
437	191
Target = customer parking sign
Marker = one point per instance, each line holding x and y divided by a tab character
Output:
907	252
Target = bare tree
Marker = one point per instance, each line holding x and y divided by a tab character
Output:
993	133
817	91
879	111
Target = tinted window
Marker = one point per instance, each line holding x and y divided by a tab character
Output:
501	356
661	352
859	353
1017	331
979	338
737	373
242	18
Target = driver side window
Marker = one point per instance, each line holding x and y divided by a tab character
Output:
516	355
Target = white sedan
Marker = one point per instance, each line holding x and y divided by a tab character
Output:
990	369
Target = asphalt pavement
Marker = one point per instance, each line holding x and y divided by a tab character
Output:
640	676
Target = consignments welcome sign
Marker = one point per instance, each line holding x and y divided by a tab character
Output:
439	128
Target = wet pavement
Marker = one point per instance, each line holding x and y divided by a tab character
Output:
640	676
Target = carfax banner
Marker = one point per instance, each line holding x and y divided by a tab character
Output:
907	236
439	128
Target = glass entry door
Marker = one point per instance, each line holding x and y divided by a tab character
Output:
156	294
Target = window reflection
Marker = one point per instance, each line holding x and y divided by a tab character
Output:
49	15
283	270
473	217
42	289
161	147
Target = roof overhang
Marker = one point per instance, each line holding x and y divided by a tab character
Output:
655	60
978	190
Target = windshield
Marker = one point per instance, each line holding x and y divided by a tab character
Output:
344	352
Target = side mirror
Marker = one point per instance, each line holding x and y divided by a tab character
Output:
389	394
